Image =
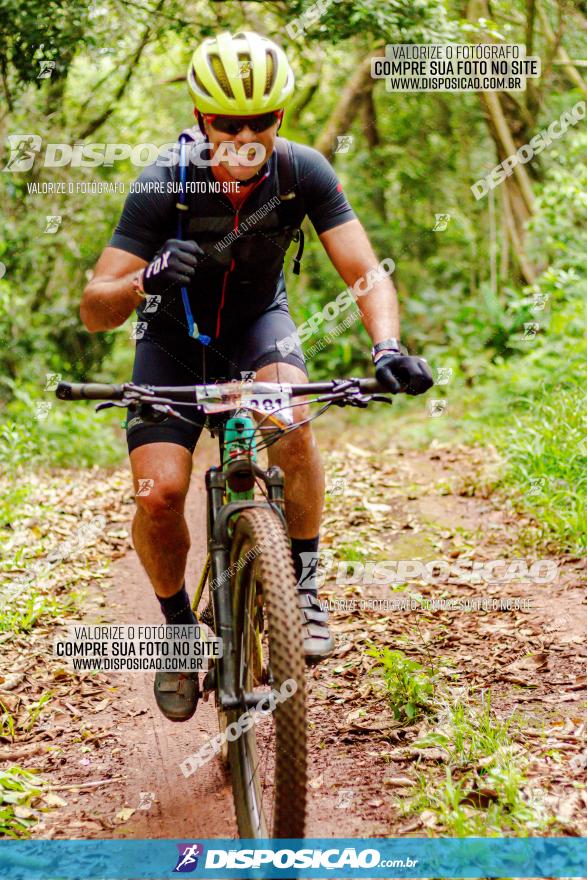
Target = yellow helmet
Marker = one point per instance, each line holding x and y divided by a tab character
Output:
239	75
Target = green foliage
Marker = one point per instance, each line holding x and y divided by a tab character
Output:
48	30
22	615
23	606
558	229
40	328
18	788
536	400
404	21
354	552
523	393
65	435
547	465
482	790
10	727
409	687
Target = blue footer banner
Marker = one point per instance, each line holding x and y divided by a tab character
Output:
337	858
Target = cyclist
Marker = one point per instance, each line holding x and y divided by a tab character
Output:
231	267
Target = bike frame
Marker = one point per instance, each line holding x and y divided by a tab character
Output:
231	533
238	457
229	488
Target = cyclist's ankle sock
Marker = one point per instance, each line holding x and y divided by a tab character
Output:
177	608
305	559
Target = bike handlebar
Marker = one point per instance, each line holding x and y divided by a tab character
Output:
186	393
89	391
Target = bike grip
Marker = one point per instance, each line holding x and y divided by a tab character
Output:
371	386
88	391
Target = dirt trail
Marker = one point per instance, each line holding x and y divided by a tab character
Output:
395	504
145	750
438	504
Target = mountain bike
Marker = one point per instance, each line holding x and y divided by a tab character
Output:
251	582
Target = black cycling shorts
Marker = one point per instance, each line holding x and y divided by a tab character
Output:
160	360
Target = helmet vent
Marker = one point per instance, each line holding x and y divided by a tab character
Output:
200	85
271	70
220	74
246	74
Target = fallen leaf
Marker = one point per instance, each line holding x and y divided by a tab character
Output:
562	698
567	805
99	707
12	681
378	725
579	683
124	814
362	453
53	800
24	812
398	781
411	826
579	762
317	781
376	508
72	709
431	754
9	702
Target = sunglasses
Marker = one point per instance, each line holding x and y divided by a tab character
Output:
235	124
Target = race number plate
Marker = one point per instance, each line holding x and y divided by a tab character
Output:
265	398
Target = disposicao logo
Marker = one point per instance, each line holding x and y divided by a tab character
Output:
187	861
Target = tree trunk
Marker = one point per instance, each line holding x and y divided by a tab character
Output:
506	142
527	270
531	96
369	120
571	72
514	204
348	107
505	130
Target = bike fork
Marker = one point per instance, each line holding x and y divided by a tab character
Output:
219	514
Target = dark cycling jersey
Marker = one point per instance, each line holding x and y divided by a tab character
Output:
242	274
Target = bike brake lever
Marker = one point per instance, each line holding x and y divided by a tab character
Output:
110	403
363	400
357	400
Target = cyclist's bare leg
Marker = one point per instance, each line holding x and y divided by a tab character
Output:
162	541
297	454
159	530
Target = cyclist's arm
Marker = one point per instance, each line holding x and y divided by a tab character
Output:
148	219
108	298
352	256
346	242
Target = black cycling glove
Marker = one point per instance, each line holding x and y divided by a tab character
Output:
399	372
175	263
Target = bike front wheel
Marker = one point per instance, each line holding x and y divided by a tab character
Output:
268	754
